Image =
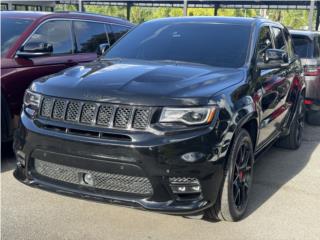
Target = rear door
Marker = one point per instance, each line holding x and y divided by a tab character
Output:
88	36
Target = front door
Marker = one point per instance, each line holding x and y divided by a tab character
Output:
275	85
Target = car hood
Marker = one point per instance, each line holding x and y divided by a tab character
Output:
140	82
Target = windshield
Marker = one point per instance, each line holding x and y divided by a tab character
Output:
222	45
303	46
11	29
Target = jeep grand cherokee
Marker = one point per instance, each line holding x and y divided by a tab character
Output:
170	119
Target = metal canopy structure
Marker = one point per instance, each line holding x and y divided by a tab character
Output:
261	4
28	5
215	4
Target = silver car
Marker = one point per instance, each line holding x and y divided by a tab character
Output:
307	46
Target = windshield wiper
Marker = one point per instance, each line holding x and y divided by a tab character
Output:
180	62
112	59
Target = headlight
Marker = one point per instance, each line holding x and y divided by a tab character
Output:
189	116
32	99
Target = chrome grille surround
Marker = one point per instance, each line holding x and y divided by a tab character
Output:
101	180
99	114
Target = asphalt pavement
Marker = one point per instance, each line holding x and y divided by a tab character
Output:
285	204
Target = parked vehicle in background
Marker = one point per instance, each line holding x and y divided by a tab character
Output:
35	44
307	46
170	119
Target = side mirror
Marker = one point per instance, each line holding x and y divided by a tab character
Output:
273	58
102	48
35	49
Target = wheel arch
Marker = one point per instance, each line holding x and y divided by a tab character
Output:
250	123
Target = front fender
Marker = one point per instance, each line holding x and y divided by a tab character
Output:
237	108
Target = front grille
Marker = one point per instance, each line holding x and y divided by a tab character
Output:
90	113
122	117
104	115
59	109
141	118
47	106
101	180
73	111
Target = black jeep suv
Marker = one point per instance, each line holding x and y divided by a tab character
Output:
170	119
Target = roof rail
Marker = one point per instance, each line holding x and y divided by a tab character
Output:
91	14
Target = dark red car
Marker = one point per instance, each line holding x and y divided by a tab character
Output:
35	44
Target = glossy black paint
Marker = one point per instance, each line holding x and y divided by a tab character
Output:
262	101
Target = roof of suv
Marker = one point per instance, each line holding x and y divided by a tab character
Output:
228	20
62	14
309	34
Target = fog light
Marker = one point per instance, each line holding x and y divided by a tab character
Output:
184	185
88	179
31	112
21	158
196	188
192	156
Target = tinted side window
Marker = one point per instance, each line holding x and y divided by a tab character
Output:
11	30
302	46
278	39
316	52
89	35
264	41
56	32
118	31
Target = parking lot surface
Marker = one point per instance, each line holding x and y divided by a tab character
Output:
285	204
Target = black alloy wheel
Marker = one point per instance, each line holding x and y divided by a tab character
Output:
233	198
242	176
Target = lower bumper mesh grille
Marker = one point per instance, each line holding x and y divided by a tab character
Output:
101	180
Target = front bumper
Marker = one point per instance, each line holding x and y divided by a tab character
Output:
157	160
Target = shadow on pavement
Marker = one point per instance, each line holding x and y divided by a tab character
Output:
278	166
7	157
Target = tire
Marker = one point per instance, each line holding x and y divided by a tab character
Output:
294	138
234	194
5	121
313	117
